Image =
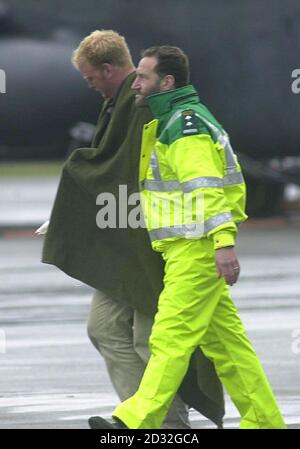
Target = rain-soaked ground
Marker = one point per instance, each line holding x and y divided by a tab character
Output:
52	377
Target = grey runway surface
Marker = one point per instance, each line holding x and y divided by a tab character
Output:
51	376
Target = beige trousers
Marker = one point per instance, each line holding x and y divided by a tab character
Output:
121	335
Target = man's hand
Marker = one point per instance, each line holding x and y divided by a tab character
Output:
227	264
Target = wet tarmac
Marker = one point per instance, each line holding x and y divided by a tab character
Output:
52	377
26	201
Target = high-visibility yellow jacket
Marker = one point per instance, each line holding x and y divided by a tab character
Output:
190	180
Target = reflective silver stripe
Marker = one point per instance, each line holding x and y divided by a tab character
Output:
217	220
160	186
223	139
204	181
154	165
172	120
170	231
231	165
233	179
182	230
186	187
154	159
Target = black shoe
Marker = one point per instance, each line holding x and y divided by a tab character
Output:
96	422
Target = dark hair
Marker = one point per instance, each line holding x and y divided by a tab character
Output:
170	61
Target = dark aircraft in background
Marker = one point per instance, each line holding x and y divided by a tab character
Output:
243	54
45	96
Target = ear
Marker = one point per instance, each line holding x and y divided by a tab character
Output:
107	69
167	83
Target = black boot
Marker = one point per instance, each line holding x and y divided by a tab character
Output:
96	422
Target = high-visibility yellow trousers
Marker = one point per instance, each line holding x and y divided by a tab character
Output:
195	309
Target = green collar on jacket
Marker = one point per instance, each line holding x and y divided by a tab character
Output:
163	103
